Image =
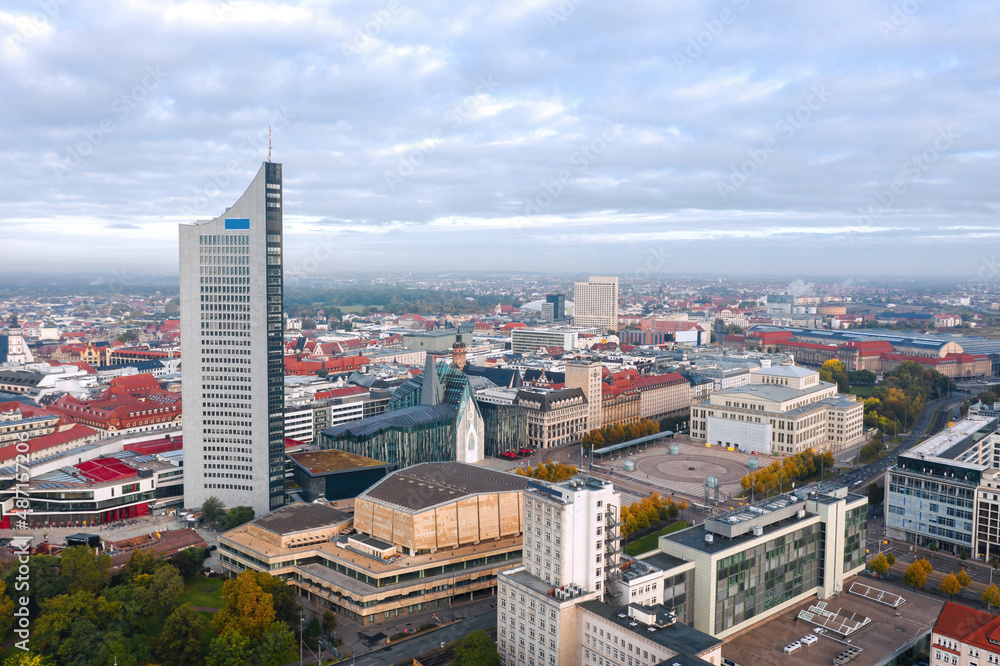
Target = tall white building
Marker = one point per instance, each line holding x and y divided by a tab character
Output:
569	603
231	343
595	303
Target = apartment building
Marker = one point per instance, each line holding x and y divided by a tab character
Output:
661	396
587	375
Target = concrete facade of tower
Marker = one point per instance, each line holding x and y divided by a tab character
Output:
231	346
595	303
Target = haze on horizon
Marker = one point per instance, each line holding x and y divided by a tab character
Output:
735	136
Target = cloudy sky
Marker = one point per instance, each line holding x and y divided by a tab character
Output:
852	137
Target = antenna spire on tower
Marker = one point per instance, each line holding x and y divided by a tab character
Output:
268	144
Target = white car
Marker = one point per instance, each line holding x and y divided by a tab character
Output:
793	647
808	639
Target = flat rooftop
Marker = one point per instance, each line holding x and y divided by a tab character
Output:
422	486
953	441
331	461
301	517
774	391
763	643
678	637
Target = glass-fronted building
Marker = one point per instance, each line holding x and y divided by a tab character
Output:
931	490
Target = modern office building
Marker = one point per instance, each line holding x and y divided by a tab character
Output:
558	303
231	343
932	492
760	559
595	303
530	340
785	409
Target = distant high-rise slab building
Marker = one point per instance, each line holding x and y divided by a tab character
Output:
558	303
595	303
231	346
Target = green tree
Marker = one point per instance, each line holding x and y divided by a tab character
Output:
84	571
189	561
172	307
950	585
476	649
890	558
879	565
991	597
142	561
28	659
6	610
212	510
43	580
276	646
158	592
249	609
229	649
876	494
237	516
329	622
182	642
67	619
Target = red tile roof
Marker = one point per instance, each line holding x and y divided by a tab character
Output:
963	623
341	392
73	433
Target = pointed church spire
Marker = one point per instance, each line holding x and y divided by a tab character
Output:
432	392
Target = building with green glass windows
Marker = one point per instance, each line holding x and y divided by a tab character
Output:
758	560
431	418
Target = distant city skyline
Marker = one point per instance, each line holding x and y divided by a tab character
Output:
637	139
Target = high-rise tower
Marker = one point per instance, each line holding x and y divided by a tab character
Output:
231	350
595	303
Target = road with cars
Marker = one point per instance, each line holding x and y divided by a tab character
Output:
932	419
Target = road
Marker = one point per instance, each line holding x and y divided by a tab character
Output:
924	424
408	649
